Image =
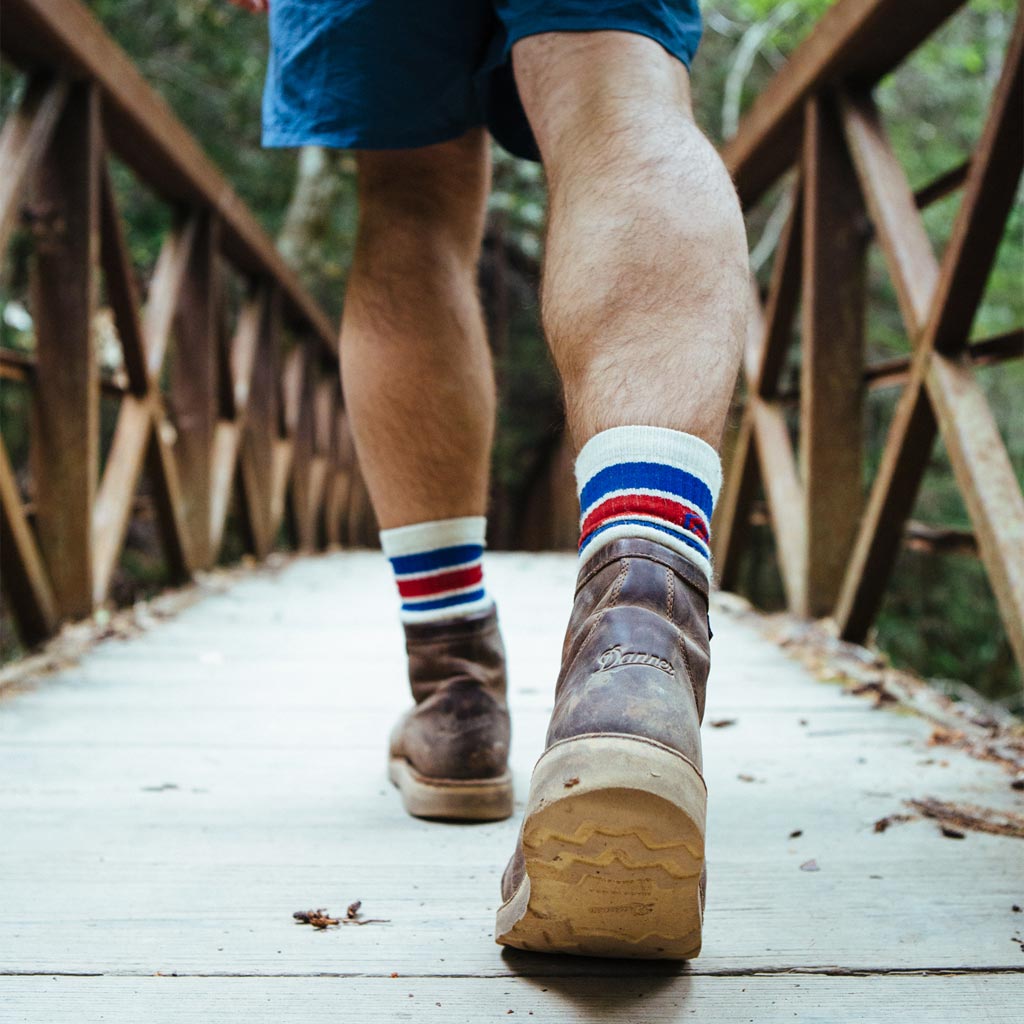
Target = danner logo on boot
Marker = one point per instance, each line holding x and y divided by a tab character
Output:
616	657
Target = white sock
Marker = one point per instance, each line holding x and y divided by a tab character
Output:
648	482
438	567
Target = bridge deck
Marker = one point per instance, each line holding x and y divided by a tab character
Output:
169	802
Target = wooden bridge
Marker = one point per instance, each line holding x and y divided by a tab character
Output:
170	799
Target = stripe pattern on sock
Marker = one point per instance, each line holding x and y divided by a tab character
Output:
438	568
648	482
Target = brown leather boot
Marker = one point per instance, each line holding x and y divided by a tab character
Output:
449	753
610	858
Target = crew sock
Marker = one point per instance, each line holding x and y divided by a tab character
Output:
651	482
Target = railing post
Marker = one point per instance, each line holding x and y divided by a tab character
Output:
831	388
193	386
65	440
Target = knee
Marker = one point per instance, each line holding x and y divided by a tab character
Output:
428	200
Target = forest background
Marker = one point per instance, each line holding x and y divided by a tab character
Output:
207	59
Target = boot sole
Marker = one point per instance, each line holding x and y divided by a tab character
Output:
614	847
451	799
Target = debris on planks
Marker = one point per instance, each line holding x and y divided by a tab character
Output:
893	819
321	918
965	720
970	818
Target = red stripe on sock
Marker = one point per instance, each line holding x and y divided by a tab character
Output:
428	586
639	504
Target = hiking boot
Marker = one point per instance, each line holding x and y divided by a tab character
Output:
449	753
610	858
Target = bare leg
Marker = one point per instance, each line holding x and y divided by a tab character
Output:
416	367
645	281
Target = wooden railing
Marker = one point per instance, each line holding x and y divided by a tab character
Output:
247	412
818	116
253	410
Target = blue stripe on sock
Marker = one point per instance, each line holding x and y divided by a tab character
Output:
439	558
655	476
684	537
443	602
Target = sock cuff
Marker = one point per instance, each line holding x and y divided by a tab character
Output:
649	444
650	482
437	533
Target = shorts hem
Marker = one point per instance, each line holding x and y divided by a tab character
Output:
679	46
274	138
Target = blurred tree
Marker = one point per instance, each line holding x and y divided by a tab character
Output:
207	59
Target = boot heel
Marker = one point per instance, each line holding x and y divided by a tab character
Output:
614	847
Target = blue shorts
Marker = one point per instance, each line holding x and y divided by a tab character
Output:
396	74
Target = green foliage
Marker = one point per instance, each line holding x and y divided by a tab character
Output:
207	59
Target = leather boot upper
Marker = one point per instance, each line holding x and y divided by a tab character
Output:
459	726
636	654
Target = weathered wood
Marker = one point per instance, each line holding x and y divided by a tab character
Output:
165	292
173	803
117	487
299	424
731	519
783	297
260	399
985	998
831	390
26	135
904	460
192	400
65	438
784	491
171	506
122	293
24	575
223	468
987	482
856	41
894	213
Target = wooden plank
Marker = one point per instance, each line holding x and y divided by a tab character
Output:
280	477
165	292
989	194
162	466
784	491
297	397
988	483
245	346
193	397
223	469
659	997
144	132
65	438
894	213
778	467
904	460
24	575
122	294
117	488
731	519
26	134
832	338
173	804
783	298
856	42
